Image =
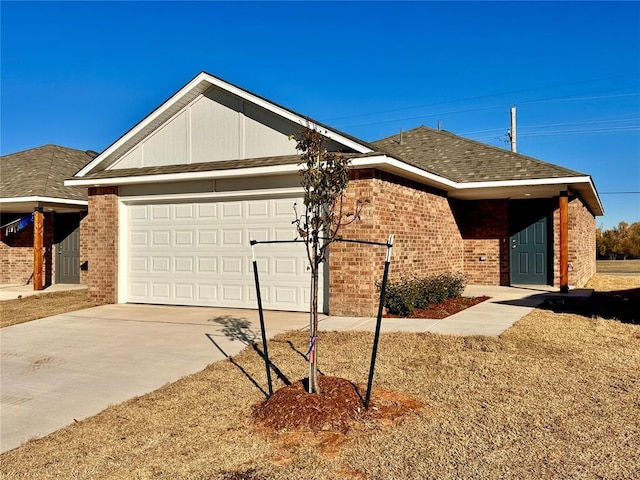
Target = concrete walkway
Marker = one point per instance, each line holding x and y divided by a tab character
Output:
72	366
13	291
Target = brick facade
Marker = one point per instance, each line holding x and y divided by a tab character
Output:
582	243
423	225
16	255
484	225
99	244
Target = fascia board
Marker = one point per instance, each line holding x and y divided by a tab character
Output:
136	129
378	161
523	183
388	163
206	79
63	201
186	176
270	192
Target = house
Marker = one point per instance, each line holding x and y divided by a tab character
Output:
40	217
174	202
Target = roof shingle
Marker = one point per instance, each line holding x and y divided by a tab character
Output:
41	171
463	160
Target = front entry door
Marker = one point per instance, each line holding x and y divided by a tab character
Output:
529	253
68	258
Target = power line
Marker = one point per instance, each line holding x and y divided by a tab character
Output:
487	96
618	193
603	121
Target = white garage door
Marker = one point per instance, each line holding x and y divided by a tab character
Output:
198	253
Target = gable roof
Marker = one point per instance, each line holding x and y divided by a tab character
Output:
464	168
463	160
40	173
196	87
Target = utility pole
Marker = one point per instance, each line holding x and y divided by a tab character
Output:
512	132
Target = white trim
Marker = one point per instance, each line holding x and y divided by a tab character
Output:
384	161
64	201
377	161
123	252
205	80
176	177
176	197
523	183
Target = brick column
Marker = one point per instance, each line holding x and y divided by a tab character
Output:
101	226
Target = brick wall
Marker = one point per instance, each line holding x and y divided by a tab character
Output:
582	243
99	244
427	240
16	254
84	246
484	225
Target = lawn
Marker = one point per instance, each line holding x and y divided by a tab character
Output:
20	310
618	266
556	396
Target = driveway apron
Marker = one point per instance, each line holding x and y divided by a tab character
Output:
64	368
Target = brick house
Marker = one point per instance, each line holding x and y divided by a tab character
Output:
40	217
174	202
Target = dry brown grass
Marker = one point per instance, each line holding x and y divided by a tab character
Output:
20	310
618	266
556	396
610	283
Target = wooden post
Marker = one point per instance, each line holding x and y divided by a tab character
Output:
38	242
564	242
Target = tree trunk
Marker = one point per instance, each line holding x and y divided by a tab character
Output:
313	332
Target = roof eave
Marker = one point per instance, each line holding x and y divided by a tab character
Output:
468	190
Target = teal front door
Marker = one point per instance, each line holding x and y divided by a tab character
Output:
529	250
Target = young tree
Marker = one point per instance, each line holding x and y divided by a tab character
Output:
324	178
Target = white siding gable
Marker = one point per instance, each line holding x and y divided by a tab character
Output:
213	127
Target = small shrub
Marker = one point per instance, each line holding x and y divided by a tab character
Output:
400	297
404	296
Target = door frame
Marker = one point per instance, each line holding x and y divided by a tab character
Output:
65	225
524	213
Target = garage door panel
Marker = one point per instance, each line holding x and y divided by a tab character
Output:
207	293
160	264
161	238
283	209
183	264
183	238
139	238
232	238
161	290
258	210
160	212
207	237
198	253
207	264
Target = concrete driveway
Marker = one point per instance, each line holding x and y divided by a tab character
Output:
72	366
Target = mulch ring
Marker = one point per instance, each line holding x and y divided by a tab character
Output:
338	408
438	311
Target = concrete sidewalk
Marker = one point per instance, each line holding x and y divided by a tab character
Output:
13	291
74	365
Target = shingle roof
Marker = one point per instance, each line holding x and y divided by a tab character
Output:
195	167
463	160
41	171
207	166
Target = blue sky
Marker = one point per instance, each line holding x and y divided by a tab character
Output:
80	74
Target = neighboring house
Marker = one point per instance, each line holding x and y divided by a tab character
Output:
32	194
174	202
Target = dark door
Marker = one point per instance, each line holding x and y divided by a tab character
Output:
529	244
68	256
